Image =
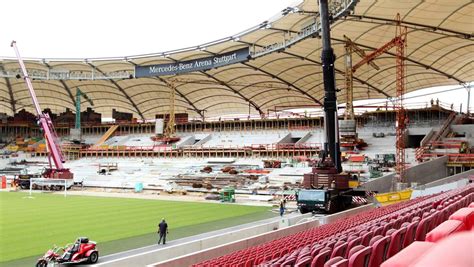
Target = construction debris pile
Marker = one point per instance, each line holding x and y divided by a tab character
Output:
218	176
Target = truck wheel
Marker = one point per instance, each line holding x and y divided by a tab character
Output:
42	263
94	257
303	210
334	205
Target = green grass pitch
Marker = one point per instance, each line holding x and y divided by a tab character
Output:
30	226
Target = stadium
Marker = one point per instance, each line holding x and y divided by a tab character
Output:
327	135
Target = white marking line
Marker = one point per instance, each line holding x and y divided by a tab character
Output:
139	254
126	251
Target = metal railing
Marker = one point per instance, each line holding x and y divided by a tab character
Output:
52	74
158	148
338	8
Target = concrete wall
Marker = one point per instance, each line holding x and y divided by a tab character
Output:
230	245
419	130
440	188
467	129
285	139
422	173
450	179
381	185
197	250
191	252
253	241
204	140
427	137
334	217
186	141
428	171
304	138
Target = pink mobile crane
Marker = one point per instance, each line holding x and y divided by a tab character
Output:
51	139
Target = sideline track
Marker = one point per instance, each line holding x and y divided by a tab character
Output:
124	258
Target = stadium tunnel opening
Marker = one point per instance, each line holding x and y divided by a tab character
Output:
414	141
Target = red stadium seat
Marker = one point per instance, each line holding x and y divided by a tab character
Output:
296	248
422	229
321	258
409	255
396	241
379	246
289	262
304	262
455	250
354	242
316	249
465	215
443	230
378	230
410	234
331	244
366	238
354	250
337	262
339	250
359	256
387	227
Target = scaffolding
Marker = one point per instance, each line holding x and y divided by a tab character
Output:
399	42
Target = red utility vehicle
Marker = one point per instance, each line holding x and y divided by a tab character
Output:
81	251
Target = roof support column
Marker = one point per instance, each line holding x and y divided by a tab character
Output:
10	92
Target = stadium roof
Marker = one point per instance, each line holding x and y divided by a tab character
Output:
283	69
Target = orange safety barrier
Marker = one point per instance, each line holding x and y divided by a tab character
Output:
4	182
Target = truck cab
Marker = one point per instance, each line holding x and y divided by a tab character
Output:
312	200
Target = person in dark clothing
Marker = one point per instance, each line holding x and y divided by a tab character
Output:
282	208
162	230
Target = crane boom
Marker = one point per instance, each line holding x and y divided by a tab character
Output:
400	43
351	47
331	144
46	124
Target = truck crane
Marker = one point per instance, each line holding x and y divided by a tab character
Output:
326	188
58	171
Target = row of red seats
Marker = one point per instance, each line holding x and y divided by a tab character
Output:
451	243
366	239
280	247
388	241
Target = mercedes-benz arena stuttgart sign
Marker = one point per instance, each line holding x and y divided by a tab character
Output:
206	63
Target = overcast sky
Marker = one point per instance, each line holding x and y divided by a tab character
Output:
105	28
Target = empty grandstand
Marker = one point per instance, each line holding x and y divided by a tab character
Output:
314	98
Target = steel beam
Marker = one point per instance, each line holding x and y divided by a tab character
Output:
198	111
10	91
121	90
